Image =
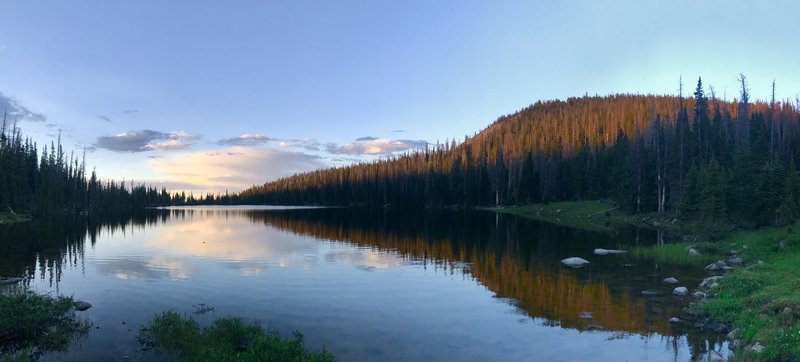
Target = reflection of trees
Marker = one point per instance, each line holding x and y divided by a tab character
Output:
46	246
514	258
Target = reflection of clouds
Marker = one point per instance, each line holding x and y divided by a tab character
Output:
231	239
248	269
156	268
364	259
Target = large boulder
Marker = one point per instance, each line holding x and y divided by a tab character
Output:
574	262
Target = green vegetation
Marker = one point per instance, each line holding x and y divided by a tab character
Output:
762	299
33	324
676	253
594	215
228	339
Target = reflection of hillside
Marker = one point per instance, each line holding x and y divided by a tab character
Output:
540	290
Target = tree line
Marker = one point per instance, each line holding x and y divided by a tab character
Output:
52	182
725	162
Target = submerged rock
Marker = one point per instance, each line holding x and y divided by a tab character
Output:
680	291
608	251
674	320
574	262
648	293
12	280
671	280
81	305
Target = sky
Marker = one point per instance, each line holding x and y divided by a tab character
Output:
207	96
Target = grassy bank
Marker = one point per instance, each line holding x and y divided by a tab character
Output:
33	324
9	218
594	215
762	299
228	339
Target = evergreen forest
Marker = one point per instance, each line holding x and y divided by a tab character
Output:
723	163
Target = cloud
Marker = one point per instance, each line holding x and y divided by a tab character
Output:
234	168
17	112
247	139
129	111
146	140
105	118
398	131
375	146
306	143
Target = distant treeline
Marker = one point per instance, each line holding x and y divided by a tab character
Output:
723	162
54	183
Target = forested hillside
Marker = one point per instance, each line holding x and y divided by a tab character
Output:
700	156
55	183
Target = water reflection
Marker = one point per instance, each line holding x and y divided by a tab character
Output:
515	259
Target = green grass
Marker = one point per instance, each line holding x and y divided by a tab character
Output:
762	299
592	215
228	339
674	253
9	218
575	214
32	324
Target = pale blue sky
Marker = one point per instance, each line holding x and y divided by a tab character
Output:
166	91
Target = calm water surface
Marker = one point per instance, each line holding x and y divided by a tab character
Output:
367	285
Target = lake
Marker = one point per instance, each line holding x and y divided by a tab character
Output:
365	284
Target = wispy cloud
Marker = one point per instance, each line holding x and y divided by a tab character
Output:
129	111
146	140
105	118
375	146
233	168
247	139
17	112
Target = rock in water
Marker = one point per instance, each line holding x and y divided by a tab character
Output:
586	315
648	293
735	261
608	251
680	291
693	251
708	281
713	356
699	295
674	320
671	280
574	262
81	305
13	280
713	267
